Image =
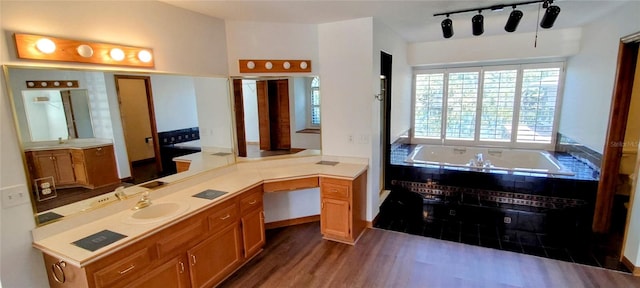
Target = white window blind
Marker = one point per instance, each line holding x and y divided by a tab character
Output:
461	105
429	91
498	95
538	105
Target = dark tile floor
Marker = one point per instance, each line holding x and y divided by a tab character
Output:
589	249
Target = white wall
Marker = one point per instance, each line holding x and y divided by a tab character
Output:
174	102
507	47
263	40
347	102
590	76
291	204
214	112
137	23
250	103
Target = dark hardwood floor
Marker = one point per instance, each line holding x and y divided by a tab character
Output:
297	256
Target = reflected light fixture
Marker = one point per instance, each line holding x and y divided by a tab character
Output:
477	24
46	46
550	15
144	56
85	50
116	54
447	27
514	20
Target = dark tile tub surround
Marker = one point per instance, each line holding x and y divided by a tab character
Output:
585	154
168	150
532	213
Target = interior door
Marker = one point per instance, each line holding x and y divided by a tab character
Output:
280	116
239	114
138	118
264	114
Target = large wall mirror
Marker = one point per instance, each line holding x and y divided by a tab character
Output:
277	116
112	129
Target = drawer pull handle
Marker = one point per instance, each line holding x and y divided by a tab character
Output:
99	149
56	268
334	190
193	258
125	271
181	267
225	217
253	202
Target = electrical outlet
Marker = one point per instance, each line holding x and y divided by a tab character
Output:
14	196
350	138
507	220
363	139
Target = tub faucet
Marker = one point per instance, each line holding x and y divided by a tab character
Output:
479	160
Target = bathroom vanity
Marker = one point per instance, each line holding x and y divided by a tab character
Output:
89	164
217	226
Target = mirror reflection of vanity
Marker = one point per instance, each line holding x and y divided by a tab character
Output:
73	137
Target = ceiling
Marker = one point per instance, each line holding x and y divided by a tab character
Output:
413	20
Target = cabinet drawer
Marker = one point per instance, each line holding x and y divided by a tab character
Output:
180	236
130	265
334	190
294	184
224	217
251	201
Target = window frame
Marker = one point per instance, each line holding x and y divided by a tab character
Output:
512	143
310	105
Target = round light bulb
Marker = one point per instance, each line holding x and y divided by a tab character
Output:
286	65
69	84
251	65
31	84
145	56
117	54
268	65
303	65
43	84
46	46
85	50
56	83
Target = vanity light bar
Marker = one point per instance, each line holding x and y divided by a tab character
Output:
52	84
40	47
274	66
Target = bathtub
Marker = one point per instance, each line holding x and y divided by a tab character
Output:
515	160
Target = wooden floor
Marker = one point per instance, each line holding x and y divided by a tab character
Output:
296	256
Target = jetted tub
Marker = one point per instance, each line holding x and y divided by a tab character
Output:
516	160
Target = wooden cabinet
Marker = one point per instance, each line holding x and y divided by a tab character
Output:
52	163
342	215
200	251
174	273
89	168
216	257
252	221
182	166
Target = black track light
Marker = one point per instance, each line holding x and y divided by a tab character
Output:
447	27
477	24
550	16
513	21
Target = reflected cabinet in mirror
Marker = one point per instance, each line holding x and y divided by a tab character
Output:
113	129
277	116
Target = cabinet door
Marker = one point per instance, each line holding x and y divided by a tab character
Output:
101	166
78	166
44	166
334	219
173	273
64	168
216	257
253	232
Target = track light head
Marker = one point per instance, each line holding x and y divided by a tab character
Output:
477	24
447	28
550	16
513	21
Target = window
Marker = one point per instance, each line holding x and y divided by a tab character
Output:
315	103
481	105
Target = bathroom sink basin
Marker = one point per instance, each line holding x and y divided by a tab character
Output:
156	212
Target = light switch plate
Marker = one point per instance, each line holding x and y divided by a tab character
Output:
14	196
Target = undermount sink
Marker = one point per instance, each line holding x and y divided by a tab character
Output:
156	212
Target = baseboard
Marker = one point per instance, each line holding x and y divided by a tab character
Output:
127	179
291	222
635	270
371	223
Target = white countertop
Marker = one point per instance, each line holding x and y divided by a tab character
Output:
56	238
66	144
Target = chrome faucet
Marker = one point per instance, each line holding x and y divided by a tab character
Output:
479	160
119	192
143	202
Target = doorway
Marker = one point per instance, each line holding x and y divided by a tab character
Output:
269	133
386	61
139	127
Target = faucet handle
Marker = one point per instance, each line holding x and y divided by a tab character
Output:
145	195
